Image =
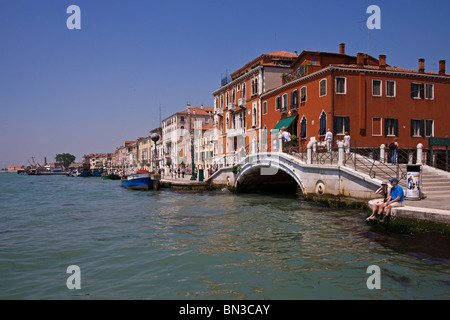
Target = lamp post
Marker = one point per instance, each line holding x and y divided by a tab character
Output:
155	138
191	134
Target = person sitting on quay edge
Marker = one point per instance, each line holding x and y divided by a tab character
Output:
385	191
395	199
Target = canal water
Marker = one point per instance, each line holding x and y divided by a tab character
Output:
172	244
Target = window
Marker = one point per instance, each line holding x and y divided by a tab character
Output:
341	86
341	125
254	115
323	87
390	88
302	94
278	103
377	127
390	127
303	128
265	107
243	91
376	88
429	128
417	128
254	86
228	98
322	123
284	107
417	90
294	99
233	96
429	91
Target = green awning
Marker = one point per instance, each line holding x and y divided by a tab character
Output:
286	122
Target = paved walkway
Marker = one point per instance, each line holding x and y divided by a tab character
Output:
168	178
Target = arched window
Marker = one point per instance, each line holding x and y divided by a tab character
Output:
322	123
303	128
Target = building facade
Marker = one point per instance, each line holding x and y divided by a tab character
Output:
237	103
361	95
176	132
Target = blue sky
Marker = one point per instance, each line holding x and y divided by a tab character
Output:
86	91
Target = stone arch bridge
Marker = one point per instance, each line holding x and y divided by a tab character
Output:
281	172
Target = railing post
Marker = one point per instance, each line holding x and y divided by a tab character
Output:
382	153
419	153
341	155
308	154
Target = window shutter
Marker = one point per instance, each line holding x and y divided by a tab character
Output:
413	90
335	123
421	86
412	128
385	127
396	127
422	128
347	124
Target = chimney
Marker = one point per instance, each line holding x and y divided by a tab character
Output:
382	61
201	107
188	106
421	65
442	67
342	48
360	59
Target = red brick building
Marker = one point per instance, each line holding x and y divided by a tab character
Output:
360	94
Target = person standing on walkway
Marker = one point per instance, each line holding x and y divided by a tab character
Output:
394	151
347	142
395	199
329	140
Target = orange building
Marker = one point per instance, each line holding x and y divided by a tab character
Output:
237	104
360	94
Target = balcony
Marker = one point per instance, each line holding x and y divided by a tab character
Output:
283	110
231	106
219	112
294	107
241	102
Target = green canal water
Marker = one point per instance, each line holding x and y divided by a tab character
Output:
171	244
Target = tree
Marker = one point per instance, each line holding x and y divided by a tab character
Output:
65	158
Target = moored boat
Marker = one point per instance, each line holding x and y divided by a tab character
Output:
141	180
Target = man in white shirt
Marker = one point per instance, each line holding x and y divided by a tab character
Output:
285	135
329	140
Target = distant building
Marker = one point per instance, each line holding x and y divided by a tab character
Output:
176	130
15	168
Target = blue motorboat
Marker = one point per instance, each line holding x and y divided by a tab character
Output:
141	180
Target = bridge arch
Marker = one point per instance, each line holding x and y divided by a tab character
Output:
268	175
